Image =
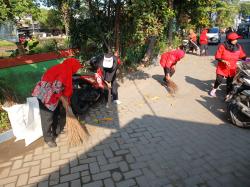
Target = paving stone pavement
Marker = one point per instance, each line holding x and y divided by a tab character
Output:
153	139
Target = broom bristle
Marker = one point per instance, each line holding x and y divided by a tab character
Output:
173	88
76	134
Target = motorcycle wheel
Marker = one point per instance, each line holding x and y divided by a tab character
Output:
237	117
78	106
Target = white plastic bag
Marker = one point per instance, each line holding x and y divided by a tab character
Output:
17	115
25	120
33	125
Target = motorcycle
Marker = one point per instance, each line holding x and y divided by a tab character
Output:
239	99
88	89
189	46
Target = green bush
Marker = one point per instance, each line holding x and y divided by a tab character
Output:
134	55
6	94
4	121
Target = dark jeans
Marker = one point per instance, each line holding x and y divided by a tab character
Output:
53	122
219	79
204	47
114	89
169	71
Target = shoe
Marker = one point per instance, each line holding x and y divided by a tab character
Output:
117	102
213	93
51	144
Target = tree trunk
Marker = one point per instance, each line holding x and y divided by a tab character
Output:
117	25
171	22
149	52
66	16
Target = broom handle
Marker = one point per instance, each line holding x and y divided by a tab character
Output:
65	103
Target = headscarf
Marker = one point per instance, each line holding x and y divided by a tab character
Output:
231	47
228	45
63	73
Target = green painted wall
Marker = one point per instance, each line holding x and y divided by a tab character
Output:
23	78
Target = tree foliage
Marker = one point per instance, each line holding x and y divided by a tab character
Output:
245	9
129	26
16	9
50	19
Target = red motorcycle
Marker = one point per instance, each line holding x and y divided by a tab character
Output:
88	89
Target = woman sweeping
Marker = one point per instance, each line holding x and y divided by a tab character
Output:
227	55
168	62
55	85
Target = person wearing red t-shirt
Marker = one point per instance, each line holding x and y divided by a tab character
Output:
227	55
204	42
169	60
55	83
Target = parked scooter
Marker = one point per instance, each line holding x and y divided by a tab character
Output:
239	100
189	47
88	89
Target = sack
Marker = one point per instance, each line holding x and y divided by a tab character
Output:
108	62
33	125
25	120
18	117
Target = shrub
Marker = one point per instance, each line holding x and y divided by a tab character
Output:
4	121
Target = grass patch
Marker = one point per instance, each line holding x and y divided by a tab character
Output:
4	43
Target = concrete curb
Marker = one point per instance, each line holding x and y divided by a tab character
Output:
6	136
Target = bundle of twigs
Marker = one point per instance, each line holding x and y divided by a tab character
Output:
172	87
76	133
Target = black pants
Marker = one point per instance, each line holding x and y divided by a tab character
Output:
114	89
204	47
53	122
219	79
169	71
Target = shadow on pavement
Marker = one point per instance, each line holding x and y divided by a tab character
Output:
10	148
200	84
156	151
217	106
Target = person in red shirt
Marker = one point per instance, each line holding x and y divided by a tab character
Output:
169	60
227	54
204	42
55	83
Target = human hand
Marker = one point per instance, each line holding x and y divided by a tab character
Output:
226	62
108	84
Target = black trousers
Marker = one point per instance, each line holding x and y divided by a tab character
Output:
169	71
114	89
53	122
219	79
204	47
